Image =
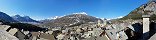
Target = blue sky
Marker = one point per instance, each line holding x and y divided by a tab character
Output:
42	9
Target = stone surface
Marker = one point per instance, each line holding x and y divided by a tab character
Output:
1	23
61	36
20	35
4	27
42	36
153	37
145	27
13	31
4	35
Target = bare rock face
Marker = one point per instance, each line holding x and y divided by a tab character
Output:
4	35
151	6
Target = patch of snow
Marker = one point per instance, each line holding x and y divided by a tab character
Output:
55	17
77	20
115	18
120	17
71	17
81	13
97	17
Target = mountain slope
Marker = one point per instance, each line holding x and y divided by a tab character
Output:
23	19
6	17
148	8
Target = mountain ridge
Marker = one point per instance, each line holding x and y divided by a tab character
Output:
24	19
7	18
146	9
71	20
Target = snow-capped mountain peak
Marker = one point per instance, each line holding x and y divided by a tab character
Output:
55	17
23	18
81	13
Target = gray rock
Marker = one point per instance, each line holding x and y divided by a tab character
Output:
4	35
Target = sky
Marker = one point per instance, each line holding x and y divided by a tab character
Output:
43	9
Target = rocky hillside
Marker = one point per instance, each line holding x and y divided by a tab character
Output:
148	8
6	17
71	20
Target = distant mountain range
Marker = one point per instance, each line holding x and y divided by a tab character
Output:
24	19
71	20
16	18
80	18
6	17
